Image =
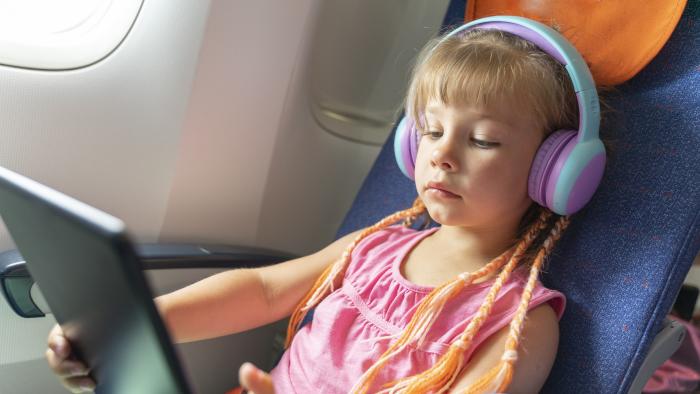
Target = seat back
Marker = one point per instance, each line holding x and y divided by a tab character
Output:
624	257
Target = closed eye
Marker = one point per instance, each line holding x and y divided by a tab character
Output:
433	134
484	144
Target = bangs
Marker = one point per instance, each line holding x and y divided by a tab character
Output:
481	70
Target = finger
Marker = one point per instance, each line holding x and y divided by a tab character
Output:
79	384
60	346
244	373
55	330
66	368
255	380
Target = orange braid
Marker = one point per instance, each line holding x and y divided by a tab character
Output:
426	314
499	377
325	284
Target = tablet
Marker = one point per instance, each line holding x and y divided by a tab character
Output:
88	271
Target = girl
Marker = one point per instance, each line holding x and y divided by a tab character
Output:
437	310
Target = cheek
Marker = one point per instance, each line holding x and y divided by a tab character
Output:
520	176
506	178
422	161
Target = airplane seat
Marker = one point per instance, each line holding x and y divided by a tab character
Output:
624	257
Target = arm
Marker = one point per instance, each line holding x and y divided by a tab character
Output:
242	299
536	353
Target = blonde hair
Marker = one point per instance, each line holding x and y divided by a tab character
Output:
481	66
477	67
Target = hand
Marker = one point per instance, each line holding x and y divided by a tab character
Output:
73	373
255	380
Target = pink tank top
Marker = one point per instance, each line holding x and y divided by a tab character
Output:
330	353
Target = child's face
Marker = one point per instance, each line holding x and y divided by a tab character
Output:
481	157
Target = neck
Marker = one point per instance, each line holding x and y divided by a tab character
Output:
475	244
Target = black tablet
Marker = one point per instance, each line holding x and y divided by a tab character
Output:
87	269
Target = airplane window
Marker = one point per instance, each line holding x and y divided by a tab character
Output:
361	61
62	34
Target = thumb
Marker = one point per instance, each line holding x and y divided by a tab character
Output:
255	380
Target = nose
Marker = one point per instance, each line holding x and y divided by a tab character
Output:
444	156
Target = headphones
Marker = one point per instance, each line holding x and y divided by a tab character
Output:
569	164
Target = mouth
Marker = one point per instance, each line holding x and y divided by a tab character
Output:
441	191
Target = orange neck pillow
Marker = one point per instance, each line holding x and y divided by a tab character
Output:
616	38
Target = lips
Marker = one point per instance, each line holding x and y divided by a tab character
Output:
440	187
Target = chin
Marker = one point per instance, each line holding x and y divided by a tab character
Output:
445	218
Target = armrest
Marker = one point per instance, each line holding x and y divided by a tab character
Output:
166	256
667	341
25	298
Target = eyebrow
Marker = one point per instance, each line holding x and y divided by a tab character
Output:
432	109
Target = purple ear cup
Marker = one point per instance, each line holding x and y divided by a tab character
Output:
588	179
406	146
566	172
542	181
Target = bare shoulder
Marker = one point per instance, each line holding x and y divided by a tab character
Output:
536	353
